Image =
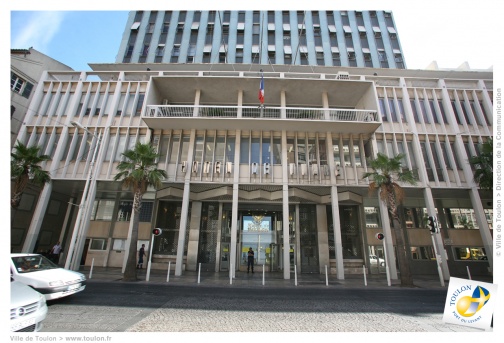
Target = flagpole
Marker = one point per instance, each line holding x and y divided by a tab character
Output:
261	94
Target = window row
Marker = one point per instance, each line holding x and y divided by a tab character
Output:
103	209
429	111
452	218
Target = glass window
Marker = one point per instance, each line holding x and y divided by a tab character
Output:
126	207
437	162
277	151
139	105
392	110
103	209
174	150
266	150
119	244
346	154
98	244
322	151
457	116
415	112
230	149
254	150
120	148
443	113
291	154
336	152
220	148
244	150
312	151
301	150
447	161
110	147
372	217
185	148
433	111
423	253
470	253
357	154
424	111
381	102
163	148
76	149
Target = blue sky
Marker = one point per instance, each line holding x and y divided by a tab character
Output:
450	33
74	38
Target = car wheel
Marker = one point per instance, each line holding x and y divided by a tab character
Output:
382	264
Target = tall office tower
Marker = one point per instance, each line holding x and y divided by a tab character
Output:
324	38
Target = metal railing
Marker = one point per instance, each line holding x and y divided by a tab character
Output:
328	114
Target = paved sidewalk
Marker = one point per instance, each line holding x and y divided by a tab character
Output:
258	279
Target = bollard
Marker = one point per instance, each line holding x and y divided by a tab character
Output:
199	272
168	275
326	277
364	273
468	273
263	274
91	269
295	275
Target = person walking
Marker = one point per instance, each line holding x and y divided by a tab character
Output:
55	252
250	260
141	254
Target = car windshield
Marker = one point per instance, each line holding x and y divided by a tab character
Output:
33	263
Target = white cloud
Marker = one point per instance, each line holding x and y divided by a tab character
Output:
37	30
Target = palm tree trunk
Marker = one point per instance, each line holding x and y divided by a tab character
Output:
402	253
130	272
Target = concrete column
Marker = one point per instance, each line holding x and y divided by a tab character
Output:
285	207
438	243
485	233
338	244
185	208
194	230
234	209
38	216
219	239
322	238
479	212
286	244
182	230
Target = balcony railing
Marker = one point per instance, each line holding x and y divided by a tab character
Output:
329	114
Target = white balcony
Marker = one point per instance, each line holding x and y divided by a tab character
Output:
256	118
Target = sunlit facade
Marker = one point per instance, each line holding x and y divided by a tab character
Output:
324	38
284	179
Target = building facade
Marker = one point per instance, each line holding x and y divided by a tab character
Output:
27	66
284	178
326	38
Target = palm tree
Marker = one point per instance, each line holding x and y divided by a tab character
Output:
137	173
385	177
483	173
25	168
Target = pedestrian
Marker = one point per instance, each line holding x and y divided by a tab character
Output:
55	252
141	254
250	261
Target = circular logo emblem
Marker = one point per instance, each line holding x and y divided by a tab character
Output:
21	311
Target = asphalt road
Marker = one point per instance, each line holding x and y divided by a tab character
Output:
114	306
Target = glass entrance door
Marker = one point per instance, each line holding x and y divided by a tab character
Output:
258	233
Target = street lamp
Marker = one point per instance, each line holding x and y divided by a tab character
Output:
72	256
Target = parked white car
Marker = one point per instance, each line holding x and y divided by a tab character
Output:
28	308
45	276
375	260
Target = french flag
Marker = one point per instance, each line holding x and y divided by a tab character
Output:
261	90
